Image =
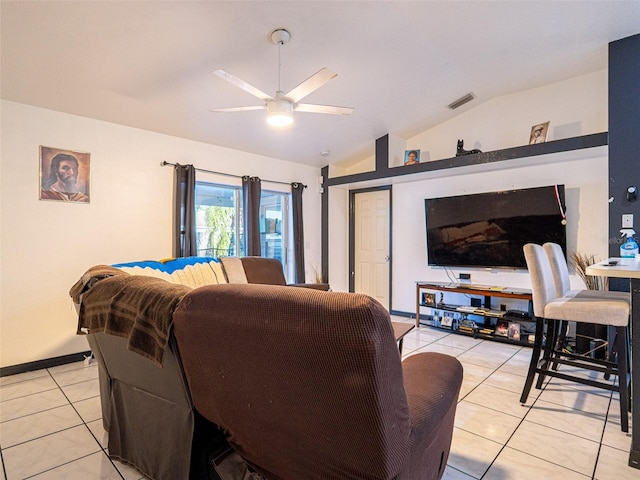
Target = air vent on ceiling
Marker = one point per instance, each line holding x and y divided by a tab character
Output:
461	101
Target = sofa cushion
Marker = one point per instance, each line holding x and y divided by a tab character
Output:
234	270
267	271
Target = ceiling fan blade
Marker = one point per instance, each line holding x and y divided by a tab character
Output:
330	109
232	79
311	84
239	109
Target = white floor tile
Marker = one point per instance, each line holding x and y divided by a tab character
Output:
128	472
472	454
439	348
28	387
451	473
71	366
28	428
30	404
485	360
554	446
614	437
596	403
458	341
515	465
499	400
516	365
82	391
21	377
45	453
488	347
466	388
428	334
473	372
98	431
613	463
92	467
410	344
569	420
89	409
75	376
485	422
506	381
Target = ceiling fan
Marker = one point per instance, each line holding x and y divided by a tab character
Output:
280	107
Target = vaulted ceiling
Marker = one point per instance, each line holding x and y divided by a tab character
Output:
149	64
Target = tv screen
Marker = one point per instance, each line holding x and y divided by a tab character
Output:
489	229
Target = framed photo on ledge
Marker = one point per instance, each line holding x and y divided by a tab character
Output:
539	133
411	157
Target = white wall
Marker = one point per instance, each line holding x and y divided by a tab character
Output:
586	190
45	246
574	107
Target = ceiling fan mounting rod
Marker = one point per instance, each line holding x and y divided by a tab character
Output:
279	37
279	66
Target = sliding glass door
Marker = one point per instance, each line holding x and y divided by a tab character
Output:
219	225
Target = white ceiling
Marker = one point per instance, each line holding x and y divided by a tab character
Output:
148	64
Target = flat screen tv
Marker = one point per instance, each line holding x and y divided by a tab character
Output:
489	229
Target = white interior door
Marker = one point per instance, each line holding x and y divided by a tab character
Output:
371	244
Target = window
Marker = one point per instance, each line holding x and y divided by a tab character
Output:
274	223
218	220
219	223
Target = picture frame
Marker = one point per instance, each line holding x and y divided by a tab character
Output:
502	328
514	331
64	175
447	322
539	133
411	157
429	299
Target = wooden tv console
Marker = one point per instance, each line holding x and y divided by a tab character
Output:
482	321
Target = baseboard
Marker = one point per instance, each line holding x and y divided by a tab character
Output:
46	363
400	313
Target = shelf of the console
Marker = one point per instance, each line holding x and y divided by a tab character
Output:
483	312
491	291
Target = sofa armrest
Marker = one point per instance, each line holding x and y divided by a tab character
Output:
432	384
316	286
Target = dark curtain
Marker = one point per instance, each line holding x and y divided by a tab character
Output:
251	208
298	232
184	241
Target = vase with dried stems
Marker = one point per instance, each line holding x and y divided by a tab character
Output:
590	340
580	262
317	274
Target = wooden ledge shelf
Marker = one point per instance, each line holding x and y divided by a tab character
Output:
523	151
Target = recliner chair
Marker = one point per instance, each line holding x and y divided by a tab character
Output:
310	385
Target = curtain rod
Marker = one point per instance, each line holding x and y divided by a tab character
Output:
165	163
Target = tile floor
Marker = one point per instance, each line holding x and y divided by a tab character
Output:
51	424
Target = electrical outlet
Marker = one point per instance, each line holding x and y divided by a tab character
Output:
627	220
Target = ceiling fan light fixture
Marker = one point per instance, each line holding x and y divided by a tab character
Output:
279	113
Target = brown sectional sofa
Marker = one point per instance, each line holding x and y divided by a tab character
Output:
164	422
